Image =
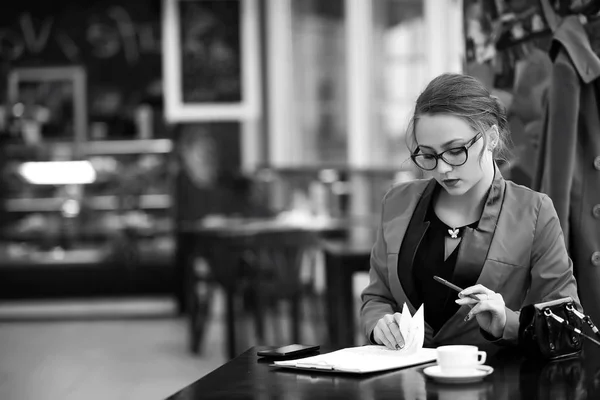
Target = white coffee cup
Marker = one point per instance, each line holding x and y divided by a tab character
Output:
459	358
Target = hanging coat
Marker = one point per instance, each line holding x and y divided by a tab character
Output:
568	167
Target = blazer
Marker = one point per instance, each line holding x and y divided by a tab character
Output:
569	159
517	250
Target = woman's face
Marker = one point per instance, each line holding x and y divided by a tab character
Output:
440	132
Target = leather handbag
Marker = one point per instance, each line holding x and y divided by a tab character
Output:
542	335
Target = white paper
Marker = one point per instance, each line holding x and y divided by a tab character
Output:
375	358
412	329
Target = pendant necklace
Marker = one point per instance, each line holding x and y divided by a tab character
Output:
454	233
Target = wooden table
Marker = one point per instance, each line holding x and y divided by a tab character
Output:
248	377
223	245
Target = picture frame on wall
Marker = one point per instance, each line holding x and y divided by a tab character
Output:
51	103
210	60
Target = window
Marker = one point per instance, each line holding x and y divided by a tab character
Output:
343	76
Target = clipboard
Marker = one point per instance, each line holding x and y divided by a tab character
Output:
360	360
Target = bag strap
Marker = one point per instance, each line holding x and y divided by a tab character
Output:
586	318
549	314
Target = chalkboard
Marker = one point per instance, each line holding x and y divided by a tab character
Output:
210	51
117	42
210	58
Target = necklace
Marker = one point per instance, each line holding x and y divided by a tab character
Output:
454	233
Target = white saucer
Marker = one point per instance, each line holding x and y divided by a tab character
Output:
474	375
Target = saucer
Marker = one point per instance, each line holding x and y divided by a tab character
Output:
473	375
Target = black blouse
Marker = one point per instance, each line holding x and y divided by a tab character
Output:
429	261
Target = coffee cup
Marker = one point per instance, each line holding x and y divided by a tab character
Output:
457	359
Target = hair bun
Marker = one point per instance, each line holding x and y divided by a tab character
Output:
500	112
499	102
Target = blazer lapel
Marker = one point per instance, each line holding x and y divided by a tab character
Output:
476	243
414	234
474	249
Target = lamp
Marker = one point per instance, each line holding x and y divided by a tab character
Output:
58	172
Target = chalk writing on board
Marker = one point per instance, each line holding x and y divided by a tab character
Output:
103	35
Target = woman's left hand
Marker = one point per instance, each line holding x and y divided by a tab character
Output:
487	306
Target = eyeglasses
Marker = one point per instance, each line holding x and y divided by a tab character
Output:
455	157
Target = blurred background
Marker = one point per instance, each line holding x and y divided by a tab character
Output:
183	179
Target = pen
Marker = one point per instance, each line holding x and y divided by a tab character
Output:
453	286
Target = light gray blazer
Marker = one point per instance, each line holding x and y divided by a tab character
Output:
517	250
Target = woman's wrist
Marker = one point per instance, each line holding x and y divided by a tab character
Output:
497	333
498	329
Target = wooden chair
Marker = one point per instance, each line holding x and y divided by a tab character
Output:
277	262
263	269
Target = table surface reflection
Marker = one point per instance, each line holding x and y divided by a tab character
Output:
249	377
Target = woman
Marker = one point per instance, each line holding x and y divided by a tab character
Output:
500	241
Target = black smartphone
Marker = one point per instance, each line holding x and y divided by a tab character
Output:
289	350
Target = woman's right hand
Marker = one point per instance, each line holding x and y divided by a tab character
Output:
387	332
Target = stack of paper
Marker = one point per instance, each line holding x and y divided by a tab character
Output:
366	359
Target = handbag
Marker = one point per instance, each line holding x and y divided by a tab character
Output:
543	336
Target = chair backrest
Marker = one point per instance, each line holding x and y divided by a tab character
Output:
276	259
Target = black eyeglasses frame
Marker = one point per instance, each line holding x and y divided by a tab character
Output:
437	157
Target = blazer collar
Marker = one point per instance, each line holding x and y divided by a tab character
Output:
474	249
472	253
581	43
414	234
476	242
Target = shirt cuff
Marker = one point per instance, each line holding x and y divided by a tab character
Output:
489	337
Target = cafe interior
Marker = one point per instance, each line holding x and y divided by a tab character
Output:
184	180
